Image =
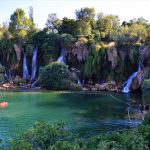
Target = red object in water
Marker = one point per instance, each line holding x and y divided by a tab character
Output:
3	104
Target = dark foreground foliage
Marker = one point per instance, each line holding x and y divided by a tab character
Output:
43	136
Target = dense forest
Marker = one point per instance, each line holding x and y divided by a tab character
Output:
98	45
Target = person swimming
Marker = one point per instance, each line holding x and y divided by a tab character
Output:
3	104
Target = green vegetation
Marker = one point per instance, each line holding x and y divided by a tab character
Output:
146	85
56	76
45	136
86	41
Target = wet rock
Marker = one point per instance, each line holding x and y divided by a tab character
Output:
109	86
9	85
137	81
85	89
94	89
97	86
17	78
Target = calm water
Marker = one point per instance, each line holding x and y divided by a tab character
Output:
83	113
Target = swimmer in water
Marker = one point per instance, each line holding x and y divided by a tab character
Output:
3	104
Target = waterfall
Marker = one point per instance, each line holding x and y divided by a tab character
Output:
127	84
8	74
34	58
25	68
78	82
61	58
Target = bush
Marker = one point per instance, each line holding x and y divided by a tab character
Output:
56	76
56	137
41	136
146	119
52	74
146	84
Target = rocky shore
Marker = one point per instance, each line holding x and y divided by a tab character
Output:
107	86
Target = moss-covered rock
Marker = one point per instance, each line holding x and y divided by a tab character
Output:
2	69
18	80
146	85
2	77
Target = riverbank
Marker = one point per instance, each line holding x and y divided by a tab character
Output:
111	86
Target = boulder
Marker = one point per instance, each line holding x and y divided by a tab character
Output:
97	86
17	79
94	89
85	89
108	86
9	85
102	87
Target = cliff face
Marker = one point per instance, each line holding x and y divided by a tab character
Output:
136	83
145	54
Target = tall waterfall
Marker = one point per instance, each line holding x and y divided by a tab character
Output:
61	58
34	68
25	68
127	84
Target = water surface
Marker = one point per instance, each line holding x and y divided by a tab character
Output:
84	113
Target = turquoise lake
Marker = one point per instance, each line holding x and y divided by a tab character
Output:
84	113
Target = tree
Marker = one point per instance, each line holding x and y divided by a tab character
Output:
53	23
19	24
70	26
85	16
107	24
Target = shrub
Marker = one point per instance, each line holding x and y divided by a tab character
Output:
146	84
45	136
41	136
56	76
52	74
146	119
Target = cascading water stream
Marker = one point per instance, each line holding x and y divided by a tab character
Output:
61	57
34	68
25	68
78	82
127	84
8	75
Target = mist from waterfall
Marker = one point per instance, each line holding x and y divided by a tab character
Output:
34	67
127	84
25	68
